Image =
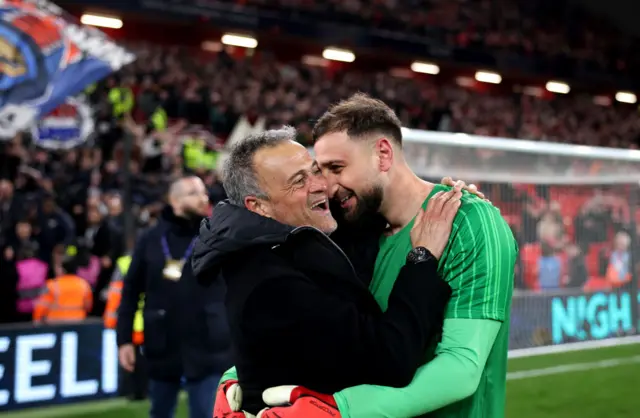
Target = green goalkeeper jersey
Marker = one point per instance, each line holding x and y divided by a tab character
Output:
478	263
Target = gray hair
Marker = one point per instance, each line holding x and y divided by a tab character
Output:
239	174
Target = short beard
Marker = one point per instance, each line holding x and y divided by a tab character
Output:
365	211
192	215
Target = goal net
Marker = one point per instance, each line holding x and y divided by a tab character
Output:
573	211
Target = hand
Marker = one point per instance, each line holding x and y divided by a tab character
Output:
229	401
127	357
298	402
472	189
432	226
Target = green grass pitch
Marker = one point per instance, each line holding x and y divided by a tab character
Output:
592	383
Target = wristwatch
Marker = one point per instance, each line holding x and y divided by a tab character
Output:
419	255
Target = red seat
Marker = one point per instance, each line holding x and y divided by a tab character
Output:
530	254
597	284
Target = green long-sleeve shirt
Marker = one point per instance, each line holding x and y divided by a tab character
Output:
478	263
453	375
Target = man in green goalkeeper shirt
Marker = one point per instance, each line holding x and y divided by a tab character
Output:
359	148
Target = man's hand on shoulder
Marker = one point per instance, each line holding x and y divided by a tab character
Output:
471	188
297	402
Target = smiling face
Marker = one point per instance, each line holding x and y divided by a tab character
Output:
296	191
351	167
355	144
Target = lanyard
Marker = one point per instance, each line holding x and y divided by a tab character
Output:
167	253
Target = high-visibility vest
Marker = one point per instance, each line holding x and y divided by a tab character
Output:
114	297
67	298
159	119
121	98
196	156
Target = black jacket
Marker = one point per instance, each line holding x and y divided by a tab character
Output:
185	327
299	314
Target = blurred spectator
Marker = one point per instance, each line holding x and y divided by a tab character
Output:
186	334
67	298
577	268
618	270
549	268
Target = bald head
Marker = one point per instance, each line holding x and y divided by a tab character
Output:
178	186
188	197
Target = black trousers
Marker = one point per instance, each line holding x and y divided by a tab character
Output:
135	385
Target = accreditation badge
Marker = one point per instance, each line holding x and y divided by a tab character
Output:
173	270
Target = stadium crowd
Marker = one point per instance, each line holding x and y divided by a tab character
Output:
215	90
539	32
172	99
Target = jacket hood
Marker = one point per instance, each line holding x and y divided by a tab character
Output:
229	230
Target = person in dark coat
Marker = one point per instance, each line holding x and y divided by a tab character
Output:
185	329
297	309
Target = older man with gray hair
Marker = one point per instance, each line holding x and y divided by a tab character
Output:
297	309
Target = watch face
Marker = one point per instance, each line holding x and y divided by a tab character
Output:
417	254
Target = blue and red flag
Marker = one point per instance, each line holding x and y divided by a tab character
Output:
45	57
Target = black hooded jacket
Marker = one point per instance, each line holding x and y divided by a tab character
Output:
299	314
185	327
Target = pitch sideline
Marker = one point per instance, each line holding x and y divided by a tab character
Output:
575	367
81	409
569	347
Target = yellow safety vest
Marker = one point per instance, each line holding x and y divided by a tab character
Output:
121	98
123	264
196	156
159	119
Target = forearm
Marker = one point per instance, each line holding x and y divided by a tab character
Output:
452	376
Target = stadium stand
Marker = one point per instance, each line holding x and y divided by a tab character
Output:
181	98
187	96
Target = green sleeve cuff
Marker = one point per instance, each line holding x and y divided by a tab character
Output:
230	374
343	405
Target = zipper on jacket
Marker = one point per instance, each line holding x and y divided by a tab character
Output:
326	238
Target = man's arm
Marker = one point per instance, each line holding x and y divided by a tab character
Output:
479	266
461	357
133	286
309	319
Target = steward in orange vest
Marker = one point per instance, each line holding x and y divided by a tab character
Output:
67	298
114	296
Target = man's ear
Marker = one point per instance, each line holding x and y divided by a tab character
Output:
384	151
258	206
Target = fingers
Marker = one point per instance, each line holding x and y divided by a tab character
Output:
132	362
450	209
128	365
279	395
447	181
234	397
436	202
461	185
419	219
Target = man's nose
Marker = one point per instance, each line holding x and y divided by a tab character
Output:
318	184
332	182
